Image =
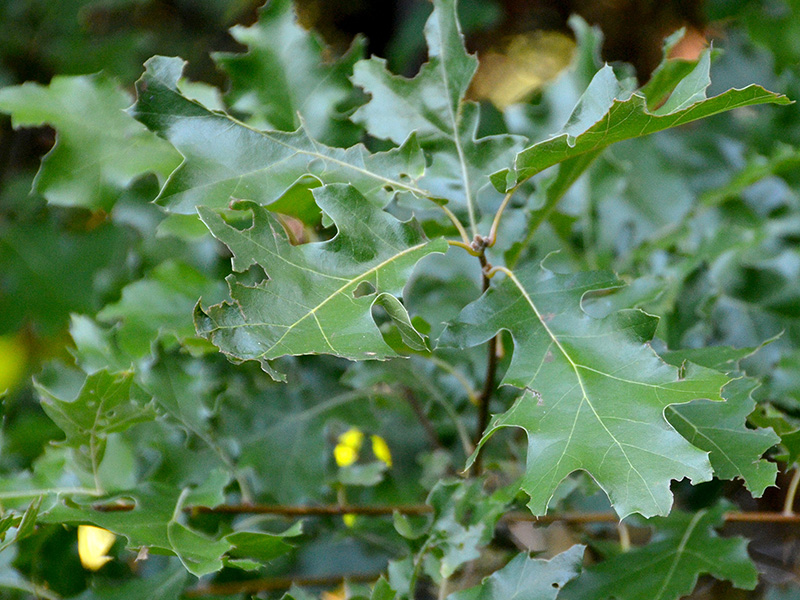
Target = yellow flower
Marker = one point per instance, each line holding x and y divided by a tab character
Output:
381	450
346	451
93	545
349	519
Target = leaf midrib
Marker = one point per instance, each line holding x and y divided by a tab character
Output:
585	398
414	190
314	310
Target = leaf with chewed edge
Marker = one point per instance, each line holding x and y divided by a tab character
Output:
319	296
595	391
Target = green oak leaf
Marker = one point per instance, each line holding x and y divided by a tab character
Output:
260	545
159	305
153	523
595	391
526	578
106	403
49	271
464	521
312	303
720	428
433	105
283	77
685	546
99	150
168	584
607	113
225	158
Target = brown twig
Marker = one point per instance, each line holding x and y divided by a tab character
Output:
422	509
255	586
430	430
488	382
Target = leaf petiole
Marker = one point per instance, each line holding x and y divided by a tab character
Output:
498	215
466	247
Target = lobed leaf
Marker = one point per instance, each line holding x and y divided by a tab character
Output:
526	578
99	150
313	302
225	158
686	546
595	391
282	80
720	428
433	105
106	403
607	114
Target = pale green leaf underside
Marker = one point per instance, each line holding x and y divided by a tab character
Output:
595	391
526	578
319	296
224	158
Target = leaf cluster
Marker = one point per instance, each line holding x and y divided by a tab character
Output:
541	310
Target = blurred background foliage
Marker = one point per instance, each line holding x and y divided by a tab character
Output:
706	220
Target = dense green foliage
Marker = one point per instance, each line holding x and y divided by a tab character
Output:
333	286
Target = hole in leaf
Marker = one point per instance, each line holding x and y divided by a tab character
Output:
555	585
365	288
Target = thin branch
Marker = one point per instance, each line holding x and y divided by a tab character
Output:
430	430
255	586
488	382
454	219
788	504
423	509
498	215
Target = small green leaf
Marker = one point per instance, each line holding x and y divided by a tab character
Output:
106	403
685	547
526	578
100	150
310	305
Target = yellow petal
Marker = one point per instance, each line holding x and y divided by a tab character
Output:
353	438
349	519
381	450
345	455
93	545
